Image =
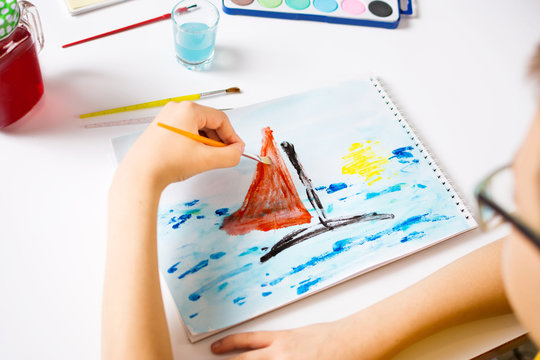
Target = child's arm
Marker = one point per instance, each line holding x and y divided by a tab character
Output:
468	289
133	320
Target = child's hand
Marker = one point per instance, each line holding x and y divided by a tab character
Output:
345	339
162	157
319	341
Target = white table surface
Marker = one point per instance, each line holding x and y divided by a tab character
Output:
457	69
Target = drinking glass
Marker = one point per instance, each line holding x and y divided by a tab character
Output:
194	24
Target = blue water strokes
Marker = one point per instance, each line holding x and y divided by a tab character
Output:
306	285
196	295
222	211
347	244
179	220
332	188
393	188
202	264
404	156
187	212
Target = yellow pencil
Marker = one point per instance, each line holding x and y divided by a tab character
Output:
207	141
157	103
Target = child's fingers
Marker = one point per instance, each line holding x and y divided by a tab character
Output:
221	157
212	134
217	120
254	355
192	117
250	340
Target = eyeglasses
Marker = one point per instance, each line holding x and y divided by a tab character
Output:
496	204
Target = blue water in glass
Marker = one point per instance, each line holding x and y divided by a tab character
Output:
195	42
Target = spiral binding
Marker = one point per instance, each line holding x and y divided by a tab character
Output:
458	200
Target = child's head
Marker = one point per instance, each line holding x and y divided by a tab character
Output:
521	262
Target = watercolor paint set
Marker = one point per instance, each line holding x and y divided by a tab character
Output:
377	13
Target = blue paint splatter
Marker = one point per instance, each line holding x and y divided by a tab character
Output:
173	268
335	187
341	245
391	189
249	251
412	236
217	255
194	269
374	236
330	208
319	188
222	211
197	294
276	281
402	152
343	198
191	203
266	293
239	300
193	315
421	186
200	217
305	287
222	286
179	220
405	225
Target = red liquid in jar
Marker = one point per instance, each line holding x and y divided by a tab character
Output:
21	85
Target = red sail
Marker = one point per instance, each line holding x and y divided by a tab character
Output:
272	201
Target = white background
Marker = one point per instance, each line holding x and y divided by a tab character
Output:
457	69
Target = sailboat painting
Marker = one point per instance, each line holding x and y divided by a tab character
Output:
350	188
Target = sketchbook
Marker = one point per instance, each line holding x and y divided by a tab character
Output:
76	7
351	188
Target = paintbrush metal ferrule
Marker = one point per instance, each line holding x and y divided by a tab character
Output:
261	159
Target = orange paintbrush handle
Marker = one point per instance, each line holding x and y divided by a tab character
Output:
192	136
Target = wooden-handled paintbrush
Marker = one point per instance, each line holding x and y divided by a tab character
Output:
156	103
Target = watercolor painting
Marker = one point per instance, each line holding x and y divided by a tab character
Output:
350	189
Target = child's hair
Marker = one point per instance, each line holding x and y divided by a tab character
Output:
534	68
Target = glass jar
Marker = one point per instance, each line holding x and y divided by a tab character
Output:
21	38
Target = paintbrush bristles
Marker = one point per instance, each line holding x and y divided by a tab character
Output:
233	90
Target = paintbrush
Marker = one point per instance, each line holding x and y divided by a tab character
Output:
129	27
156	103
207	141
